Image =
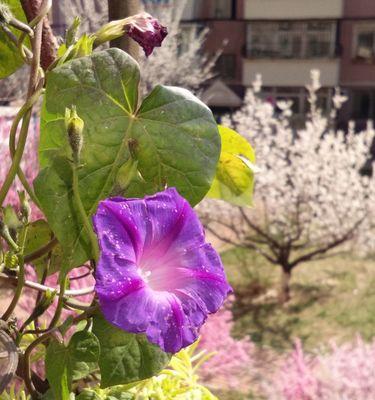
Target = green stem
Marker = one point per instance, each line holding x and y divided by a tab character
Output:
18	292
60	302
17	158
21	277
40	340
82	212
34	81
27	361
12	142
8	238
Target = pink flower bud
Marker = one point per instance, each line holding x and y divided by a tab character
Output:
147	31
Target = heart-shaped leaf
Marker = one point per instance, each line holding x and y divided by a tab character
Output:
126	357
172	137
234	180
67	363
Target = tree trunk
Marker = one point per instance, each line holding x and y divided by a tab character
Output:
286	274
119	9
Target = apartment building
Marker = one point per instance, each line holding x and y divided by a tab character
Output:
281	39
357	72
225	22
285	40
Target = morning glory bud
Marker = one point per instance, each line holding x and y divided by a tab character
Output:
142	27
5	234
74	126
11	221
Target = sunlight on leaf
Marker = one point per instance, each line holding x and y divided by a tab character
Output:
234	180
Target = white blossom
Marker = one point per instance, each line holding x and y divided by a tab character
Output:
310	196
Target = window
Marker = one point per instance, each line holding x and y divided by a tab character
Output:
223	9
363	104
226	66
291	39
299	96
364	42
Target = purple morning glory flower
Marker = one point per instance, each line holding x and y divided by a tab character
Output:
156	274
147	31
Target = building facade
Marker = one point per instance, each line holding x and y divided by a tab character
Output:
283	40
357	72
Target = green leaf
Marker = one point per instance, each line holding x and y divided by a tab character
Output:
126	357
77	360
84	346
38	235
57	369
120	395
87	394
83	47
234	180
10	60
174	141
84	350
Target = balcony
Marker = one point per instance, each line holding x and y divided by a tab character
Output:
291	73
293	9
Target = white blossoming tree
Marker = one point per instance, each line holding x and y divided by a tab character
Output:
310	199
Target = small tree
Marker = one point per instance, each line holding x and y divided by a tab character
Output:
310	198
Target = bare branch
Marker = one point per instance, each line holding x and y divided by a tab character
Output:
311	255
258	230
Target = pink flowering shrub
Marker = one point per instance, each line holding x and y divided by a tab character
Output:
345	372
232	363
28	298
295	380
29	162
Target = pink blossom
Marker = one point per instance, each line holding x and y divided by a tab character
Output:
231	366
343	372
29	162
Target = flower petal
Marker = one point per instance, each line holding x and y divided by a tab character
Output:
147	31
156	274
160	317
119	277
114	234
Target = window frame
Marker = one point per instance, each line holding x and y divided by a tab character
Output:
358	28
298	29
